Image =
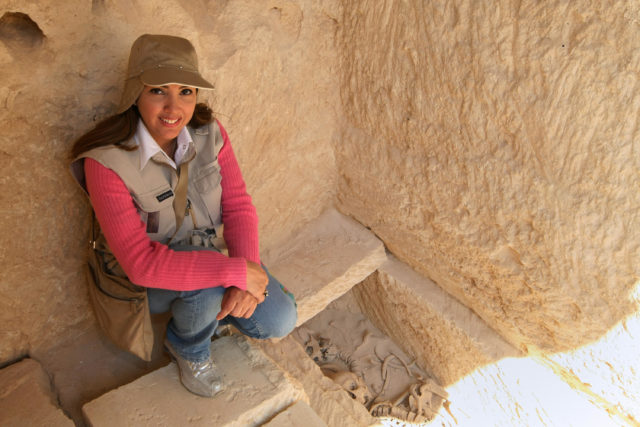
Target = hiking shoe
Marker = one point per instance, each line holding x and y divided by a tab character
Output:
201	378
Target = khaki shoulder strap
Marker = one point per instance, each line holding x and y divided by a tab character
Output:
180	198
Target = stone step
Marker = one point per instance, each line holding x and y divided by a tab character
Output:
26	398
447	338
298	414
256	391
488	384
324	260
326	398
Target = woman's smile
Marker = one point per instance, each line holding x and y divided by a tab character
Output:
169	122
165	110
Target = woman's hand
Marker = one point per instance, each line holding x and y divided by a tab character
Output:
237	303
257	281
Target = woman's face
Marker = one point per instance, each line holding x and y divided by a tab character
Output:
165	110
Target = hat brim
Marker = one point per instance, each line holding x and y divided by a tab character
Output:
168	76
132	90
159	77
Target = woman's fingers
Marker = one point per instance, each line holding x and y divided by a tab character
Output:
226	306
249	308
257	281
237	303
250	304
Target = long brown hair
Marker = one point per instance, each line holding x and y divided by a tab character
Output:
119	128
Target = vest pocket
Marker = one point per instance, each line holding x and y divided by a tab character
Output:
156	199
208	177
156	209
207	184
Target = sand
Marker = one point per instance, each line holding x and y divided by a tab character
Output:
370	366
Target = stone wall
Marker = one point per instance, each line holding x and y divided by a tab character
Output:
62	66
494	147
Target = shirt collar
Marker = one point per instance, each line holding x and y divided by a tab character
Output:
149	147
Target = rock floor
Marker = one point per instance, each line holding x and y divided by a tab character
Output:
89	365
88	371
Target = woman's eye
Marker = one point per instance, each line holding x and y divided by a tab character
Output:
156	91
186	91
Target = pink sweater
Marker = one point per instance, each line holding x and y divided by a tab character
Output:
154	265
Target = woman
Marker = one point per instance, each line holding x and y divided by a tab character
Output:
163	180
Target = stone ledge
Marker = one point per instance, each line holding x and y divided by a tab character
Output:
332	404
26	398
446	337
325	260
256	390
298	414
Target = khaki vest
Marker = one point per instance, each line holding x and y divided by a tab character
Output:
153	187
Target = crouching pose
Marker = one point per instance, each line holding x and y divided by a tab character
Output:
174	212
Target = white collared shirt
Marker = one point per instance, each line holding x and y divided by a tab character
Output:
149	147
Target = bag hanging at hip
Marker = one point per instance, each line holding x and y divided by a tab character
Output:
121	307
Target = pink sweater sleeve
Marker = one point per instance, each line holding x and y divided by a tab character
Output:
238	213
152	264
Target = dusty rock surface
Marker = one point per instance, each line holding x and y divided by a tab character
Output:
371	368
272	65
342	253
26	397
494	148
296	415
326	398
87	365
444	336
255	391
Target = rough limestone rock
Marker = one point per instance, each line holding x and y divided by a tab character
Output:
297	414
494	148
324	260
62	67
326	398
446	338
255	391
26	397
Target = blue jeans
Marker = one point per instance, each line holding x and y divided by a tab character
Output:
194	313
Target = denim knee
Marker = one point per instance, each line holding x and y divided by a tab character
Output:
194	321
275	317
282	322
284	325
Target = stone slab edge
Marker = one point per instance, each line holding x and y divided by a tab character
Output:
26	397
298	414
257	389
448	338
311	305
456	313
324	260
332	404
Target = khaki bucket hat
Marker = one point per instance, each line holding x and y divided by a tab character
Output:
157	60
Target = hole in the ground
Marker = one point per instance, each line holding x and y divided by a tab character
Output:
17	29
369	366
